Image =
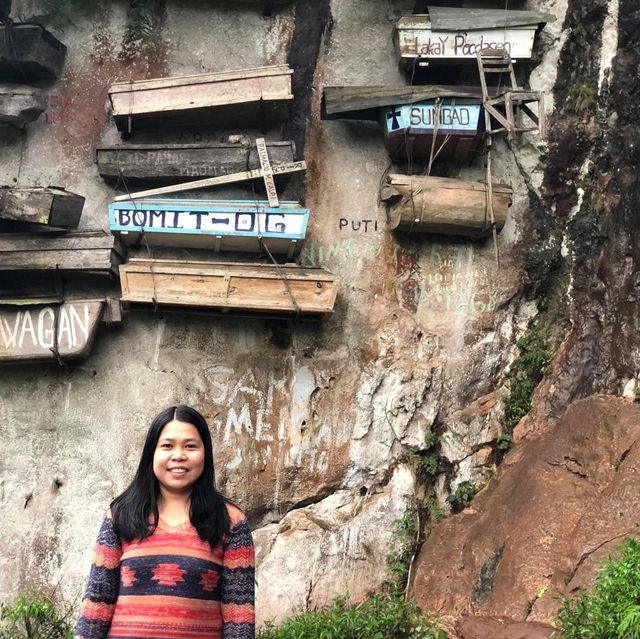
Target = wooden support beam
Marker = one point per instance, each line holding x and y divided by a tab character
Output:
216	181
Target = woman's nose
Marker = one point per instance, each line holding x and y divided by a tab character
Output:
178	453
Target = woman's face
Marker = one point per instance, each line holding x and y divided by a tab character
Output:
178	460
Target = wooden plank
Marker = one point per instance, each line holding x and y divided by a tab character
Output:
20	104
469	19
27	289
216	181
409	147
416	39
210	97
201	78
175	162
259	287
78	251
51	206
42	333
28	53
267	172
235	225
443	205
364	102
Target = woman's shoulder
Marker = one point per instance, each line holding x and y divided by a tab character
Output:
235	514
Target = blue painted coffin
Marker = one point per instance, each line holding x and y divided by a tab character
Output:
450	117
233	225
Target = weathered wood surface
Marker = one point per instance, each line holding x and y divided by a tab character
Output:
227	225
28	52
20	289
45	332
232	286
178	162
364	103
267	3
80	251
51	205
443	205
168	101
20	104
417	40
456	19
215	181
417	145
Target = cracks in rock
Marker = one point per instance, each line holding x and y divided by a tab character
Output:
570	464
588	554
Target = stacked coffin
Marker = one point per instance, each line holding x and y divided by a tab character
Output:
161	217
425	124
28	54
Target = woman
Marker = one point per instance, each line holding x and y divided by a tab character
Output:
174	559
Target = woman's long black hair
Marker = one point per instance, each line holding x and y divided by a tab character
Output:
135	511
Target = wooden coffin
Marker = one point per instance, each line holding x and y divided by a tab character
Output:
227	225
449	34
455	123
220	98
443	205
183	162
51	205
229	286
28	52
91	252
49	332
20	104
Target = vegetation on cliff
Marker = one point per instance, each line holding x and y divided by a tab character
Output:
612	609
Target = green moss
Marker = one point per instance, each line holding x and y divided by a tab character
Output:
582	98
431	508
524	375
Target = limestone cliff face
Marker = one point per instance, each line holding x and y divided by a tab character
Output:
319	428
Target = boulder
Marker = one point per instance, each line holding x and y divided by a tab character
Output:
558	504
336	547
20	104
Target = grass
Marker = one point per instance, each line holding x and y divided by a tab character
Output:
386	616
612	609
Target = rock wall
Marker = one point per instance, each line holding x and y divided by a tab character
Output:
319	429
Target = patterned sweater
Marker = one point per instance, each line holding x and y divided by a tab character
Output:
170	585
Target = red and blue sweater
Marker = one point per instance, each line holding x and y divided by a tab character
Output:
171	585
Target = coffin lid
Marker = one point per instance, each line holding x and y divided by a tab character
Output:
455	19
363	102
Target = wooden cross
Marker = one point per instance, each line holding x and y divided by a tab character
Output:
266	172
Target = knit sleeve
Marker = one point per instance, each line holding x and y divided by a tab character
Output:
238	612
100	597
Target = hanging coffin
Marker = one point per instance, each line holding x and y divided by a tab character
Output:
221	225
214	98
449	34
28	52
50	206
444	206
20	104
183	162
83	252
449	127
262	288
49	332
